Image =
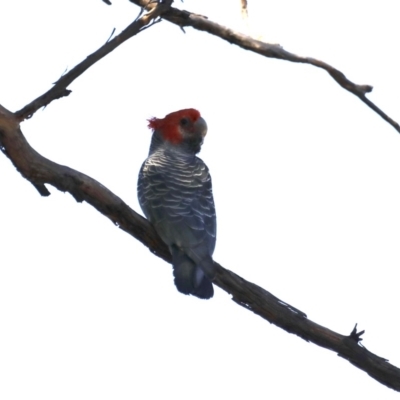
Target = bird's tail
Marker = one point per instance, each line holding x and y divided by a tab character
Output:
190	278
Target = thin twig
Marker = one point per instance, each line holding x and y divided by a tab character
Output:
111	35
60	87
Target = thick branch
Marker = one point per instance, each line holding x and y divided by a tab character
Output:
60	87
185	18
40	171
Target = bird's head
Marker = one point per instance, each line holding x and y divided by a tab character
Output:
184	128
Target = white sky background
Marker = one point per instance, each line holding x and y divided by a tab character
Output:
306	184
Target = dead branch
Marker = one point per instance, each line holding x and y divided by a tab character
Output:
184	18
40	171
60	87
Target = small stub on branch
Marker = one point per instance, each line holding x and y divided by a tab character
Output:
356	336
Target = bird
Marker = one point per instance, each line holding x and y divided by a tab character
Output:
175	195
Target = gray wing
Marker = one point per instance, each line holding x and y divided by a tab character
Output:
176	196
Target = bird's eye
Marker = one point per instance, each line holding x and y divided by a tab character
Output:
184	121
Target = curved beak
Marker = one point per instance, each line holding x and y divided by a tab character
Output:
200	127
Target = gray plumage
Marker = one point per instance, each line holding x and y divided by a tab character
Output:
175	194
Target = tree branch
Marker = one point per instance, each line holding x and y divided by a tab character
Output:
184	18
60	87
40	171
